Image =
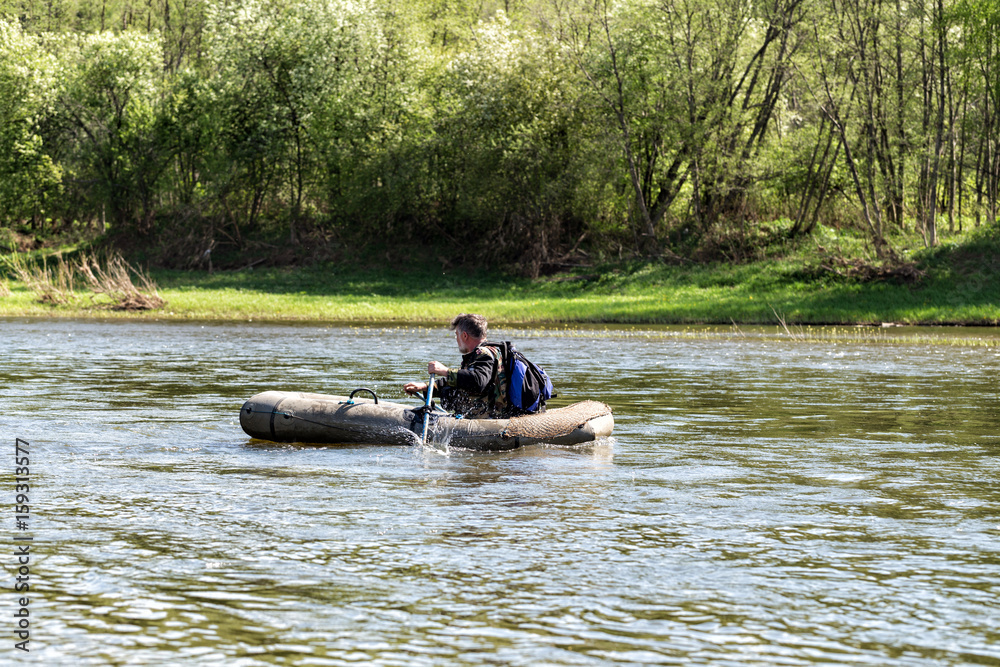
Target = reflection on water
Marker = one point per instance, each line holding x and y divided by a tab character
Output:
763	501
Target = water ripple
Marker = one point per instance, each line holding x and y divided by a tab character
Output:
763	502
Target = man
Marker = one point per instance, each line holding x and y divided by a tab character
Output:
478	389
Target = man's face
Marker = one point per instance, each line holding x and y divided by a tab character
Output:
462	338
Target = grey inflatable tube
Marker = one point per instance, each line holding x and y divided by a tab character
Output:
281	416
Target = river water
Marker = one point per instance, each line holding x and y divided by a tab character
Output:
764	501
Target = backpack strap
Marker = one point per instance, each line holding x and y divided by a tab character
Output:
507	354
502	363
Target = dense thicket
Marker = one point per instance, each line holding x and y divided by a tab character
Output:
520	133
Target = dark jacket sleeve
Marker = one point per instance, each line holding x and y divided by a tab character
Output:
476	373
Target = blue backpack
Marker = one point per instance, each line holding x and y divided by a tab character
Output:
528	386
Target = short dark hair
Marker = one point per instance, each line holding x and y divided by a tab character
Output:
474	325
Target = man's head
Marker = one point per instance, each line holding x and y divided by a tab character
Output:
470	331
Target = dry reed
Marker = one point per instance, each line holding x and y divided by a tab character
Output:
50	285
112	278
109	279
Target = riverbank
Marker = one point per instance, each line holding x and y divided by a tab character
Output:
959	286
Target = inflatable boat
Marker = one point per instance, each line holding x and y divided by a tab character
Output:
281	416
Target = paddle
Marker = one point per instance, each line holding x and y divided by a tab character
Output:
427	405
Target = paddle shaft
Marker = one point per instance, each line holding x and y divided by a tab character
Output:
427	414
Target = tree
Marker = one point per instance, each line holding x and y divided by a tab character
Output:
502	156
857	85
979	70
690	89
107	108
29	179
291	83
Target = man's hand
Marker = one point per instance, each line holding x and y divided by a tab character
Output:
414	387
437	368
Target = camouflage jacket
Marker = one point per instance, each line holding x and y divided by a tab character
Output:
479	388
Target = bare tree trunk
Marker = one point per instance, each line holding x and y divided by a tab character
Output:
873	223
623	124
617	103
952	167
932	185
902	142
960	163
831	108
981	153
991	160
923	204
815	180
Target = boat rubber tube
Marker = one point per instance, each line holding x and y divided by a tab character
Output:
281	416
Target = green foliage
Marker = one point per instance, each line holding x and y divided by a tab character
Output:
503	146
539	136
108	104
306	91
29	179
689	89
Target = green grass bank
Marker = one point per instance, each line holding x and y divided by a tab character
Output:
960	285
